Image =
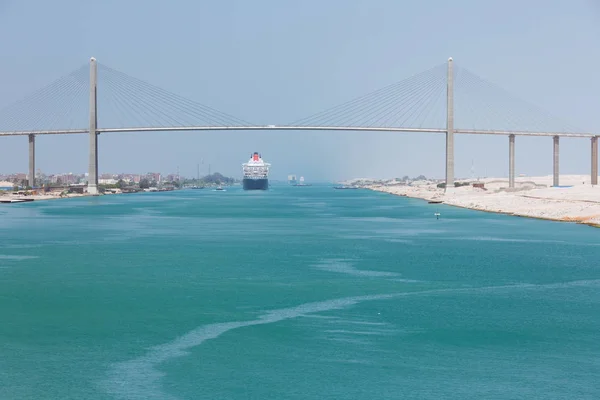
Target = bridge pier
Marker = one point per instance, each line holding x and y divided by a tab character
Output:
93	165
555	172
595	160
450	128
31	160
511	161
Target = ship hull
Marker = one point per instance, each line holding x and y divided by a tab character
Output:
255	184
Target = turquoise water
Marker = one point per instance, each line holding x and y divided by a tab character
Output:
294	293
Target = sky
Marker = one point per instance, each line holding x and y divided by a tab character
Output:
274	61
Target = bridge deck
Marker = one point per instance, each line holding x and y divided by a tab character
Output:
299	128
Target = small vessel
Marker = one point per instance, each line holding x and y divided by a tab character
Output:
345	187
292	179
256	173
437	215
15	200
302	182
220	188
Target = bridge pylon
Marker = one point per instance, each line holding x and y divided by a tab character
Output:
93	165
595	160
556	162
450	128
31	160
511	161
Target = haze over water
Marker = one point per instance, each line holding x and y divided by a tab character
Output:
294	293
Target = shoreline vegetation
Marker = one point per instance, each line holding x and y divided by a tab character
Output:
576	200
47	192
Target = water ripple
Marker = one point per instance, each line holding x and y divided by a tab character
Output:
139	378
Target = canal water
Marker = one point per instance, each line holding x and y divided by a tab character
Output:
293	293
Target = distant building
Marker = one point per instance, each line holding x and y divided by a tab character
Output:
153	176
5	185
64	179
17	177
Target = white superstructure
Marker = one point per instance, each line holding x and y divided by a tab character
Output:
256	168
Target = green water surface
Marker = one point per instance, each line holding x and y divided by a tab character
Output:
293	293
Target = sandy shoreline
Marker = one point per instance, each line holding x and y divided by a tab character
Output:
533	197
54	195
48	196
37	197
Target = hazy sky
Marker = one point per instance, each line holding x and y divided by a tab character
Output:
276	61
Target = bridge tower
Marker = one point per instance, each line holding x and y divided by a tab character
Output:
511	161
93	166
450	128
556	161
595	160
32	160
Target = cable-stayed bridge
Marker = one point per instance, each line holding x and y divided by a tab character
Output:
445	99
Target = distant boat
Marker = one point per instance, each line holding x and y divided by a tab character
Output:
345	187
220	189
302	182
15	200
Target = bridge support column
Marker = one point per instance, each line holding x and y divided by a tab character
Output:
595	160
555	172
32	160
93	165
511	161
450	128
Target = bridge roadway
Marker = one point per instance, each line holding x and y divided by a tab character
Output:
297	128
449	157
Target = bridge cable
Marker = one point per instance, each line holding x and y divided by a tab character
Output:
149	94
414	103
171	100
29	112
401	98
147	105
404	98
61	117
136	103
517	113
383	96
144	105
492	111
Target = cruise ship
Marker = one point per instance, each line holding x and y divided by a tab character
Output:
256	173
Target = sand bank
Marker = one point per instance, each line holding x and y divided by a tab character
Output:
40	196
576	200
